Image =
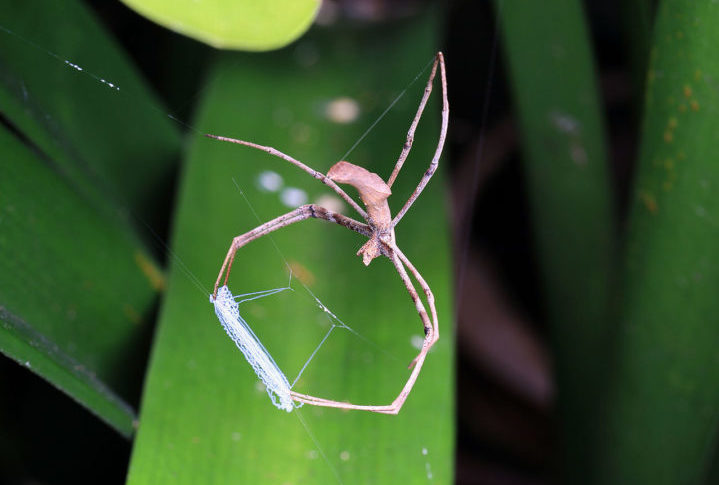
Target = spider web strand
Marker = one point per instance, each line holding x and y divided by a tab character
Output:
384	113
312	356
319	448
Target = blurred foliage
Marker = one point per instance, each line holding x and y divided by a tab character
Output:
86	181
565	161
638	365
663	403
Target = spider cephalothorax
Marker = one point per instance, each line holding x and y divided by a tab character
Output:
374	193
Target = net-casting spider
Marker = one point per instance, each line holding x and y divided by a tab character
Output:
379	228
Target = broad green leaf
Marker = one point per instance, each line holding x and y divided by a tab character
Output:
203	416
556	99
664	405
78	174
74	286
233	24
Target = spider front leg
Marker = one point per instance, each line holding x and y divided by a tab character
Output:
410	137
312	172
300	214
431	335
413	126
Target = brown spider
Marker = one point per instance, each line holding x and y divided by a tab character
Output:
379	229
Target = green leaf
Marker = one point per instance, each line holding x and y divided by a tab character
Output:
664	405
203	417
556	99
233	24
72	289
76	283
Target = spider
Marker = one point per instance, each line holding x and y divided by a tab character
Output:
379	229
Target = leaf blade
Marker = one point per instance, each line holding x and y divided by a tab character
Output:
220	412
54	289
662	408
557	103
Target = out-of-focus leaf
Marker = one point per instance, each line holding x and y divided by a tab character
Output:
664	405
557	102
233	24
203	417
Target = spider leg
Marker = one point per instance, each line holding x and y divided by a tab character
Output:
300	214
314	173
438	151
328	403
388	409
413	127
427	293
430	338
429	327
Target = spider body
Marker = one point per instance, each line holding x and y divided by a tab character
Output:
374	193
379	228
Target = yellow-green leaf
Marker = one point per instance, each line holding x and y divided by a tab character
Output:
233	24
